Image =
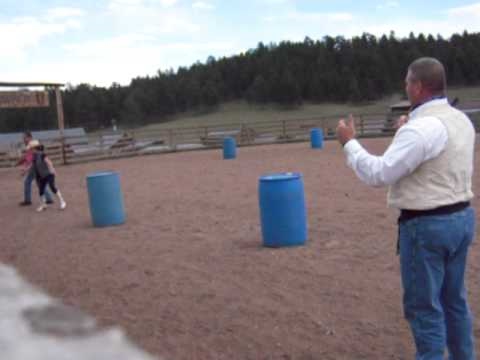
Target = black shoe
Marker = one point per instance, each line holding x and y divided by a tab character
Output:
49	201
25	203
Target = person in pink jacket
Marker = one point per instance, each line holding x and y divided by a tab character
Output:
27	171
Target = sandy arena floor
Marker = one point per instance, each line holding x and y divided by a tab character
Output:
187	277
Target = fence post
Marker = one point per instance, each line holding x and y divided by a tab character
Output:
14	149
64	153
205	136
134	140
243	135
101	142
284	130
171	140
324	127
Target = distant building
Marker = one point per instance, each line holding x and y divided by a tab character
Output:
396	110
400	107
403	108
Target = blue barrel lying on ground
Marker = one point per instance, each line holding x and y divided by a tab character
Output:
229	148
105	199
282	209
316	138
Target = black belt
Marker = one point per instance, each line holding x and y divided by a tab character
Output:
442	210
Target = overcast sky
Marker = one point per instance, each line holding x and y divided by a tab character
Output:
105	41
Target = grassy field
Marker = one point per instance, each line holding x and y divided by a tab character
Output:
240	112
465	93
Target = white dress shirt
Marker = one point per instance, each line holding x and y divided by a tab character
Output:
419	140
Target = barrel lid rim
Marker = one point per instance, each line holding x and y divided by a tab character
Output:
281	176
101	173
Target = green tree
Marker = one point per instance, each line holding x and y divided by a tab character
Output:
258	91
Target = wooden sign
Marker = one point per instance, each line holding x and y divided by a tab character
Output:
23	99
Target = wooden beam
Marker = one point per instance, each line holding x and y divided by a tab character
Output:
23	84
61	121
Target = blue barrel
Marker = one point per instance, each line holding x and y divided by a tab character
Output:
105	198
316	138
229	148
282	209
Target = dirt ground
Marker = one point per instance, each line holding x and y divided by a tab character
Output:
187	276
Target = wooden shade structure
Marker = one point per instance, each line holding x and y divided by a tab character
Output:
48	87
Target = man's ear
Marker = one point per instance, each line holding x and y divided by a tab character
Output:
420	88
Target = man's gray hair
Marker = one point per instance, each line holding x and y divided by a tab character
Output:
431	73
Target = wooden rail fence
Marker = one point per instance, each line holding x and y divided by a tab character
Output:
101	146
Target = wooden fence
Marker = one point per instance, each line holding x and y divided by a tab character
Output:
101	146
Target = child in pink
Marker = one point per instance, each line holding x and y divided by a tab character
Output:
45	175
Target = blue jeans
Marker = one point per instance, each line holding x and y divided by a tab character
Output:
27	187
433	255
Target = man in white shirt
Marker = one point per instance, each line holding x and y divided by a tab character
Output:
428	168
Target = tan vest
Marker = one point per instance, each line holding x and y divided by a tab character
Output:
446	179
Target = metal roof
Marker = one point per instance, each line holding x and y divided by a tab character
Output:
405	104
22	84
45	135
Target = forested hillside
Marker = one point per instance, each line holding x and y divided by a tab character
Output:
336	69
